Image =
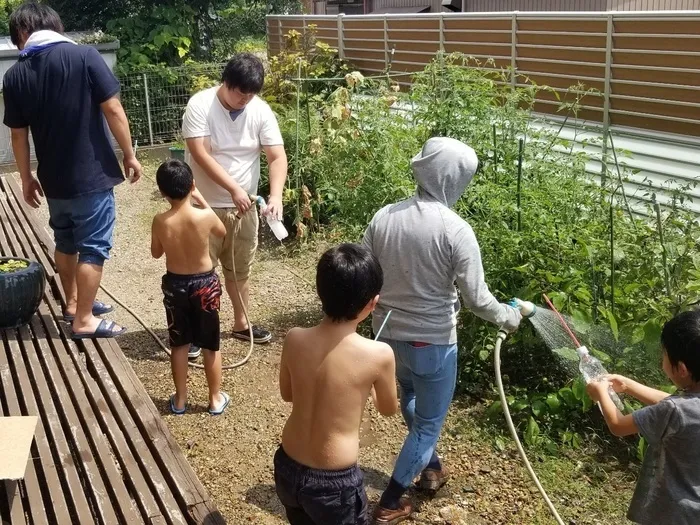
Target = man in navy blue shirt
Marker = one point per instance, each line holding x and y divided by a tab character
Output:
63	93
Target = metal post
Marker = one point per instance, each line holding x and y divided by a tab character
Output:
442	33
464	6
148	108
386	44
513	49
606	93
341	44
280	36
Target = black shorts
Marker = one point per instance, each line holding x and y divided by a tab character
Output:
320	497
192	309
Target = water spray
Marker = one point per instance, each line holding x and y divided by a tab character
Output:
590	367
527	310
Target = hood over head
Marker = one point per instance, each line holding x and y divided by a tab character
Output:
443	169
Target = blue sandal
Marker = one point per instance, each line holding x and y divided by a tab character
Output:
174	410
98	308
220	410
104	330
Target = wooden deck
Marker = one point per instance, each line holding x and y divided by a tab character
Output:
101	452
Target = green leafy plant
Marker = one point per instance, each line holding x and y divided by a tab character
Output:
12	265
163	35
350	142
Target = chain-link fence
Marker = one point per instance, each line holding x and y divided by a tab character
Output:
155	99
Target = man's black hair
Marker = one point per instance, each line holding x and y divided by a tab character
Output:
31	17
680	339
347	278
244	71
174	179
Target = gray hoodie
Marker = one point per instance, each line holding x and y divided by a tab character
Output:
424	247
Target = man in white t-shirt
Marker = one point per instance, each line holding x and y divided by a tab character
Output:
225	129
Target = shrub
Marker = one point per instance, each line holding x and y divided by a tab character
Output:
354	148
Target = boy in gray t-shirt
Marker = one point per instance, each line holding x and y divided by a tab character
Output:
668	489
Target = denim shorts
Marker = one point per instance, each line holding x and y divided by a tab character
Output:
84	225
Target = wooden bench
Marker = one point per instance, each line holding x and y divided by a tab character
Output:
101	452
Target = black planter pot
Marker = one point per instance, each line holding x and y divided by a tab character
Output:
20	293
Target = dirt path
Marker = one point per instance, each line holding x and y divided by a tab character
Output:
232	454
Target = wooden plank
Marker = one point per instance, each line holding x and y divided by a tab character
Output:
684	78
100	405
26	377
149	507
595	56
377	25
679	45
86	429
661	93
476	49
661	108
41	233
643	122
363	44
432	37
649	59
478	25
34	506
553	39
182	479
569	97
456	36
424	47
657	26
576	71
131	472
555	81
558	25
413	23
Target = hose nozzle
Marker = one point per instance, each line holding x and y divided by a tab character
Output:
527	309
257	199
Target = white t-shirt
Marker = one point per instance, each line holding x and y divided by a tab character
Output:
235	145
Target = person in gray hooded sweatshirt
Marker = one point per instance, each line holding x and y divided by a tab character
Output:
424	247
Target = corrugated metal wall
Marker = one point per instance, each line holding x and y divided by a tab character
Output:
653	5
484	6
435	5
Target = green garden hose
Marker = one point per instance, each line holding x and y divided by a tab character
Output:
513	432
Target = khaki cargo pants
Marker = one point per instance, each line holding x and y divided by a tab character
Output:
239	244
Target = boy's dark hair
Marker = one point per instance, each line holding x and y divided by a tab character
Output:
680	339
31	17
244	71
347	278
175	179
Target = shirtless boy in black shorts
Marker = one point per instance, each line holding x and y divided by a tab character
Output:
191	287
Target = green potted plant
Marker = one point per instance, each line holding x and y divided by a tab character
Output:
21	287
177	150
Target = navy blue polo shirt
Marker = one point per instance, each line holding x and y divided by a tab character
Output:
57	93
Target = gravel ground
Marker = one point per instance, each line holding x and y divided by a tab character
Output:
232	454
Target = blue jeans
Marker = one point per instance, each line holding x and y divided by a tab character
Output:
84	225
427	376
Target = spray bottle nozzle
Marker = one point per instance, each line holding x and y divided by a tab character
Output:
527	309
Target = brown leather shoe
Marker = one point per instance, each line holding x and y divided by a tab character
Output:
392	517
432	480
